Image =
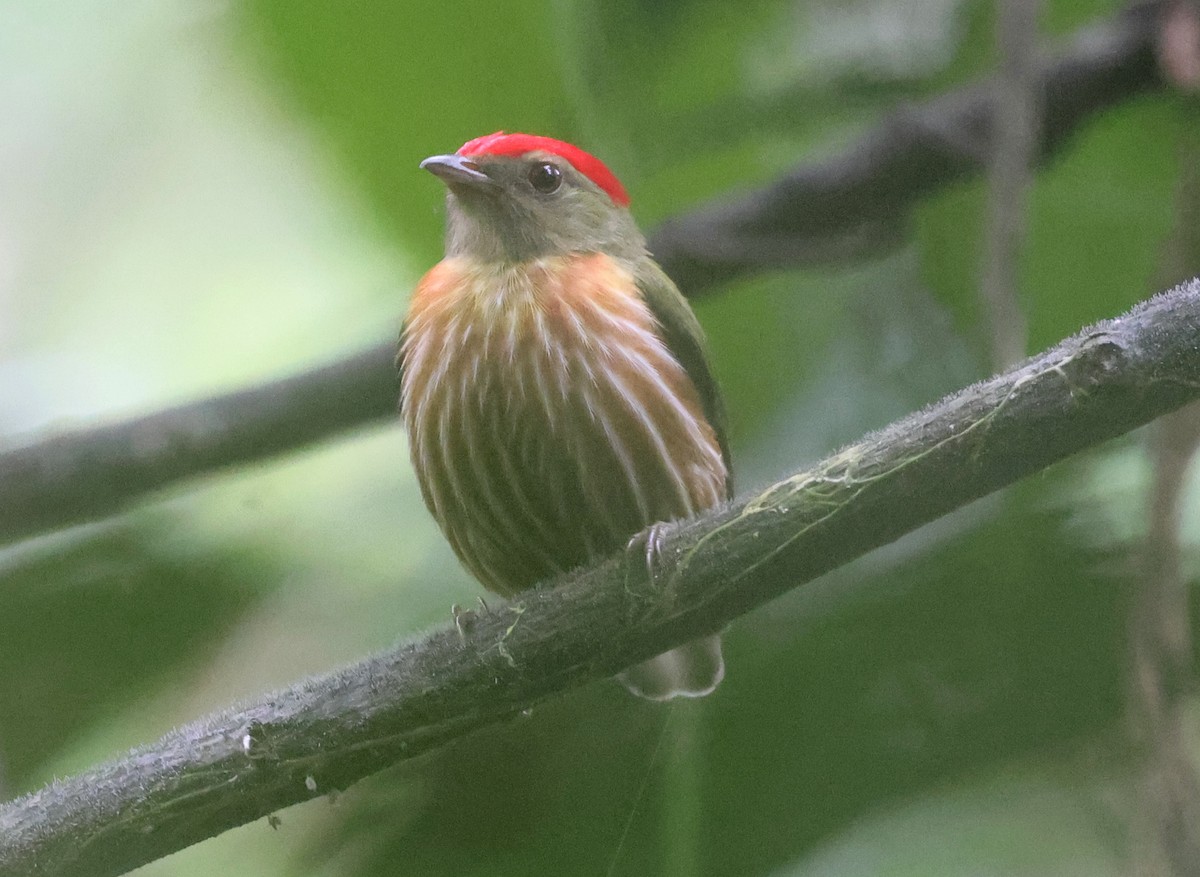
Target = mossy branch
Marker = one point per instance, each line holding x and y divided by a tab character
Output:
330	731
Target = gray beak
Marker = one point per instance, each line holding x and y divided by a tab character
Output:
457	170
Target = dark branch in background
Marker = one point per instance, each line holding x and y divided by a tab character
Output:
1018	104
329	732
848	207
855	205
84	475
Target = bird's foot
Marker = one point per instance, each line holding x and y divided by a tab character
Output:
464	619
650	543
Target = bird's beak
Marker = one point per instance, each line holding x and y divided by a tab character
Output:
457	170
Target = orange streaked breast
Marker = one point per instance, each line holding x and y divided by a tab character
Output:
547	420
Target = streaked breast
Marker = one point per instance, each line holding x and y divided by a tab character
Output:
547	420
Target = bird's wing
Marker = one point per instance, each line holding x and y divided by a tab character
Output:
685	339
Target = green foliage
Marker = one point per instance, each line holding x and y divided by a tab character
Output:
63	667
1097	223
989	653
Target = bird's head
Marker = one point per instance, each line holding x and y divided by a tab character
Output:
514	197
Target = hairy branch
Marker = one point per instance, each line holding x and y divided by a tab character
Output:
845	208
327	733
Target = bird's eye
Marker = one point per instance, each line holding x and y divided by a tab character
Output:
545	178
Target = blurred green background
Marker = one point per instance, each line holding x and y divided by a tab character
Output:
198	196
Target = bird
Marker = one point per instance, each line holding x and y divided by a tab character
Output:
556	386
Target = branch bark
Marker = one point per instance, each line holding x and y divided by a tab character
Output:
846	208
328	732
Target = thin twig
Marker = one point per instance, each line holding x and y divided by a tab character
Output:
1010	175
1164	819
1165	816
328	732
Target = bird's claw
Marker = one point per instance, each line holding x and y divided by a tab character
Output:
652	539
464	619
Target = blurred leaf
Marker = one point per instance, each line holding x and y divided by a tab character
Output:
91	624
387	84
1098	222
1031	819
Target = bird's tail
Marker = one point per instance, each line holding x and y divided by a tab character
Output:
692	670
